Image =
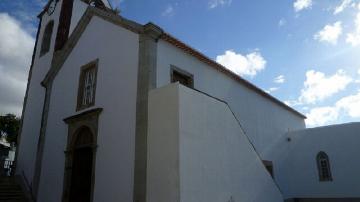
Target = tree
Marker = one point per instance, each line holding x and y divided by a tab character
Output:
9	126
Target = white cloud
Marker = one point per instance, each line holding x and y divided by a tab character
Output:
42	2
272	89
279	79
330	33
305	108
16	46
348	106
248	65
216	3
292	103
288	103
282	22
169	11
318	86
354	37
351	105
344	4
321	115
300	5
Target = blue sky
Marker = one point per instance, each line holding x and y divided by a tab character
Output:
312	47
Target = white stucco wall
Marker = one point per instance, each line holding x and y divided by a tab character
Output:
117	52
163	145
198	152
299	173
263	120
33	112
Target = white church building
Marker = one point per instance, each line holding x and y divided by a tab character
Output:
116	111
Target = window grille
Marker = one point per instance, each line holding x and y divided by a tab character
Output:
324	167
87	86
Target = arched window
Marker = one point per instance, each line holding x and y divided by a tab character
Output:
324	167
46	40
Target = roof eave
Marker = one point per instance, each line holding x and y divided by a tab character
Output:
179	44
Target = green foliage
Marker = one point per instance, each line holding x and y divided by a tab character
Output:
9	126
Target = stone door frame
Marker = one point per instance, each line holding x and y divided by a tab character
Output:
88	119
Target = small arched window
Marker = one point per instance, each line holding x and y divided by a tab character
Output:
324	167
46	40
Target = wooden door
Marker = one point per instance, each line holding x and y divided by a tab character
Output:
80	188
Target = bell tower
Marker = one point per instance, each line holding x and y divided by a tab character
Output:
59	18
57	21
64	23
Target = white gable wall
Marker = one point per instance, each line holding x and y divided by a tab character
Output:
264	121
36	93
117	52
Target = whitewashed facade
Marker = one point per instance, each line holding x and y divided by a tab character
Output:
208	157
218	139
340	143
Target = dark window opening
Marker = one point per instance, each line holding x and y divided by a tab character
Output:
64	24
324	167
46	40
182	77
269	167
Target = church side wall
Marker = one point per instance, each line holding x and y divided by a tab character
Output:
300	171
34	103
117	50
264	121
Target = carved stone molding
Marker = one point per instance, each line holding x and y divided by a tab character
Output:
76	124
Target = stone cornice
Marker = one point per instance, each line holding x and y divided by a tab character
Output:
83	115
153	31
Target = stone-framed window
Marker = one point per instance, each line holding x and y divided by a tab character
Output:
87	85
181	76
324	169
46	39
